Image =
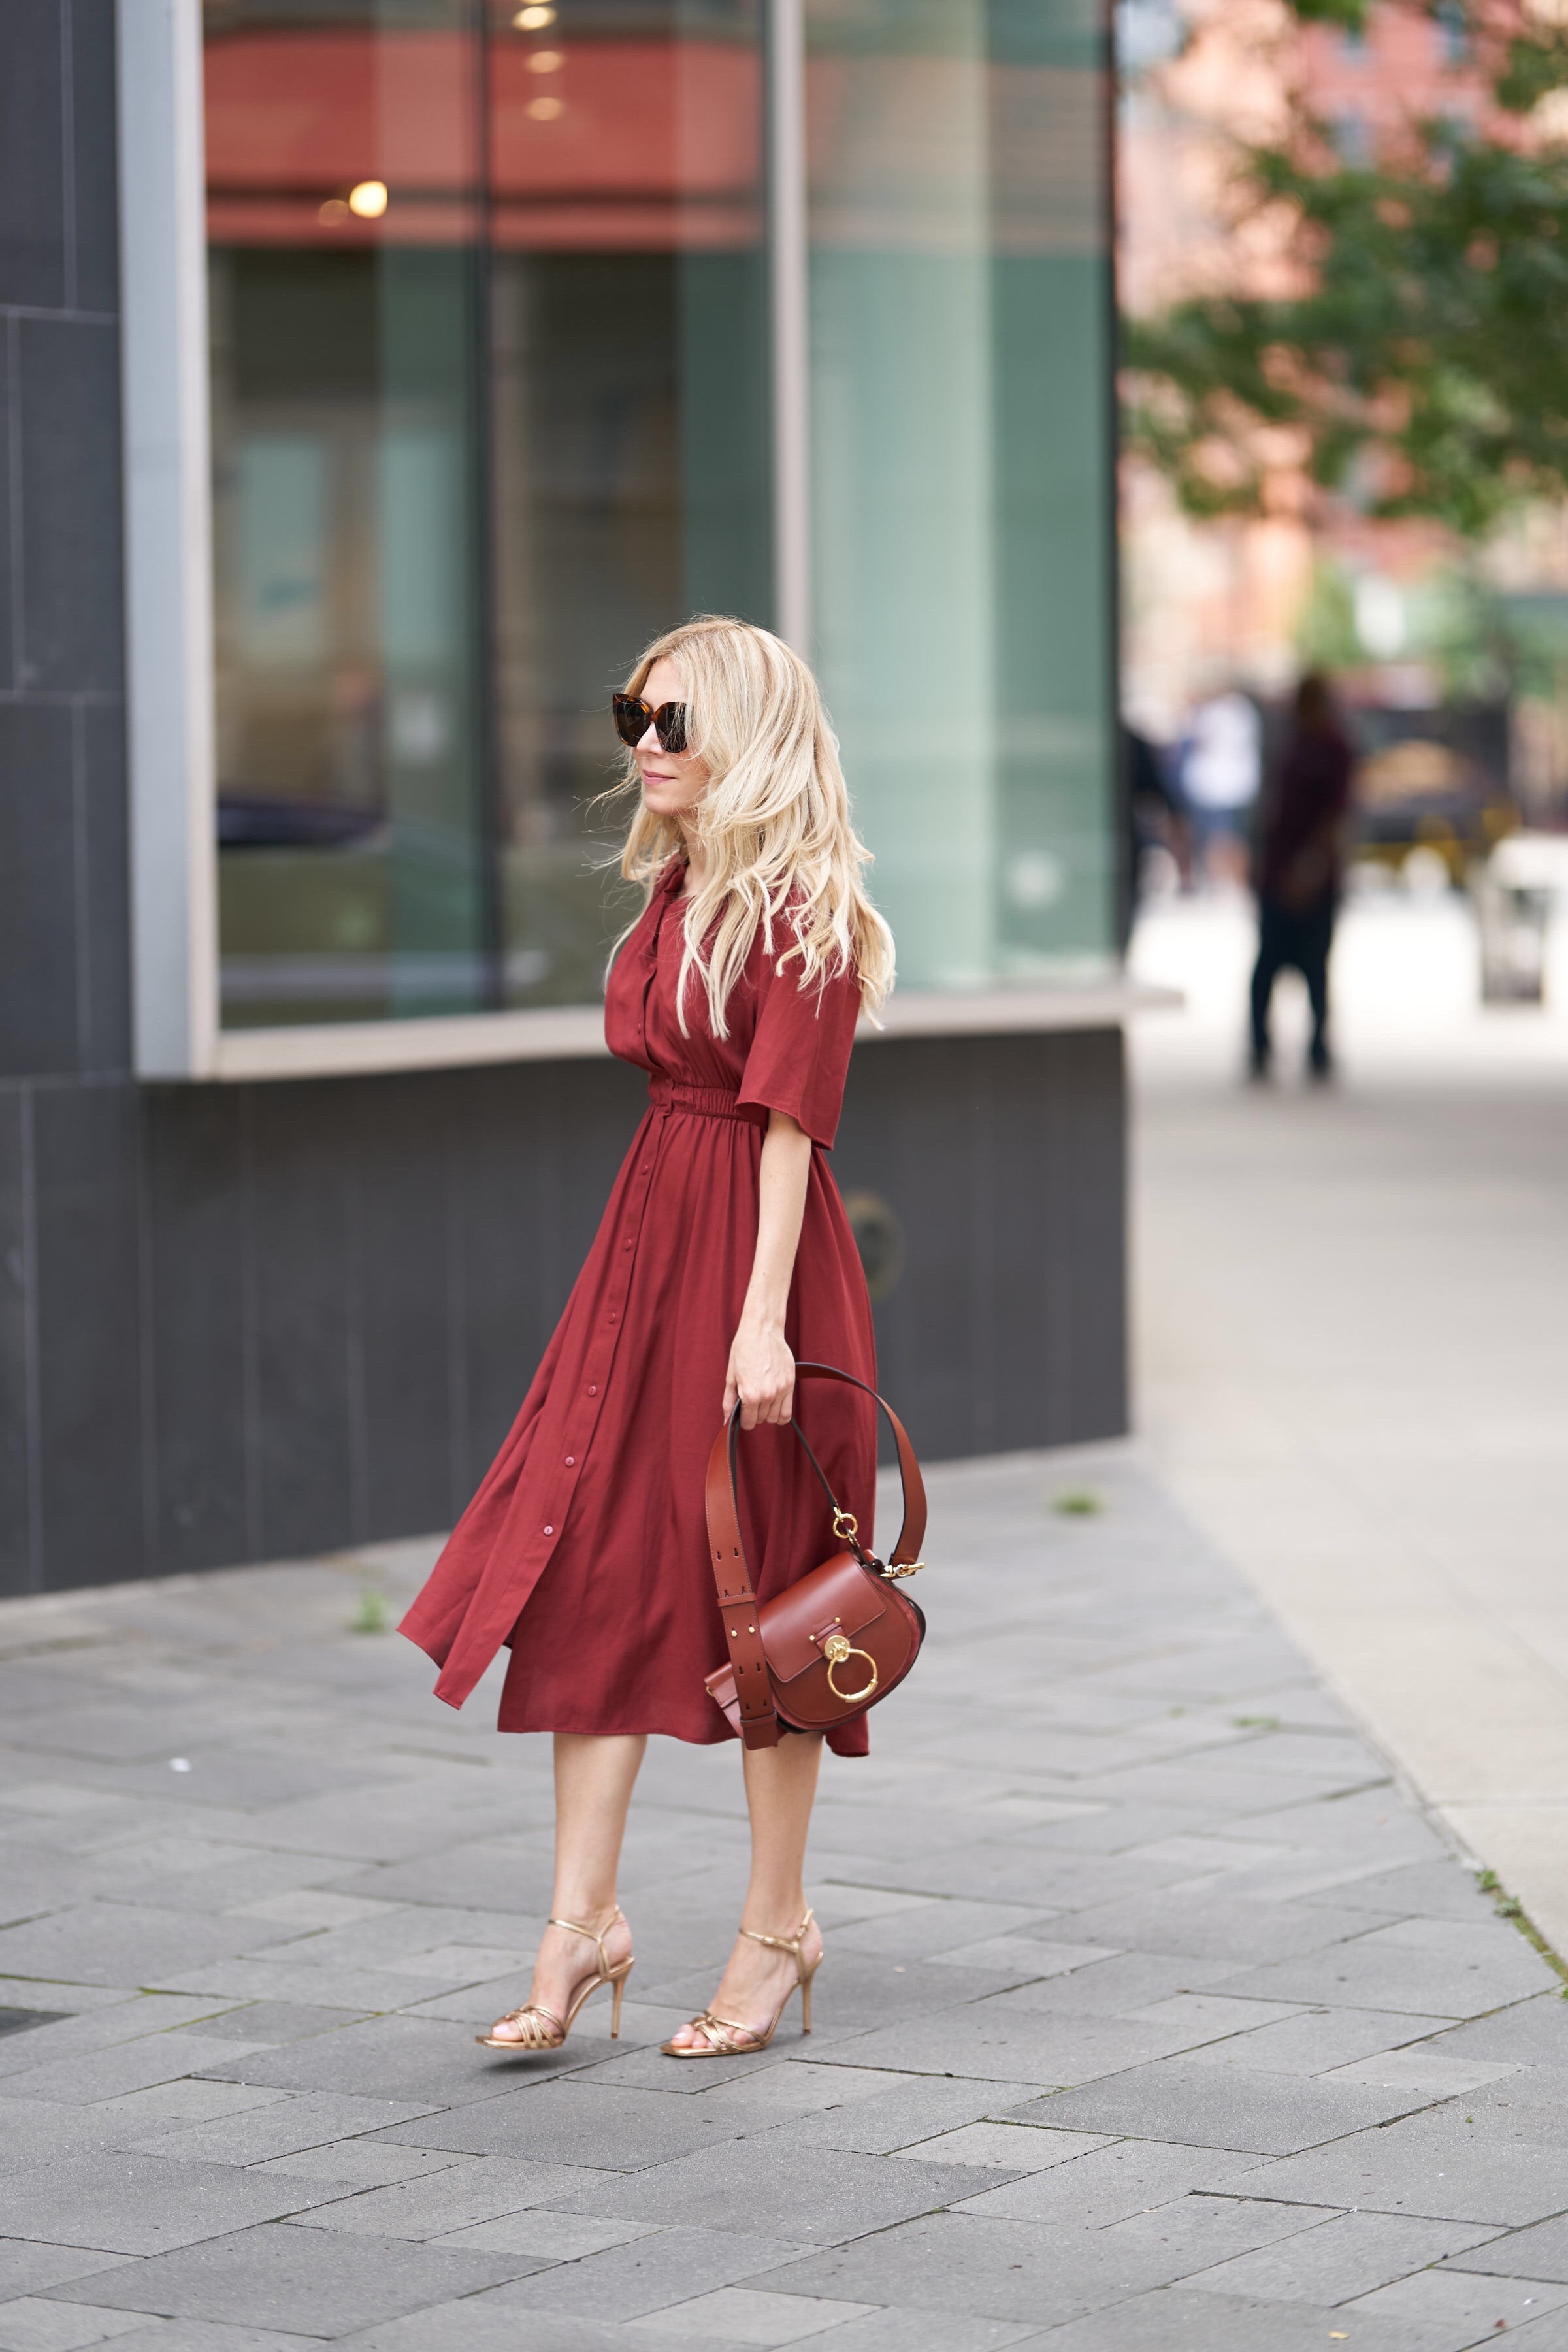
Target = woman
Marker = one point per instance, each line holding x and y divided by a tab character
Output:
724	1254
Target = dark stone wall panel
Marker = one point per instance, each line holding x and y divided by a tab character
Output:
299	1205
32	184
16	1564
70	407
9	521
351	1284
94	154
88	1191
104	905
1097	1262
194	1167
38	889
402	1270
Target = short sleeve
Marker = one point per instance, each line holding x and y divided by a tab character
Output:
799	1055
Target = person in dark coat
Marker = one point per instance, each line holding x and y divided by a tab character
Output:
1297	868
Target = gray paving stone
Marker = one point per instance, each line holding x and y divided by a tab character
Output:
634	2280
746	2315
1454	2309
386	2057
469	2190
1010	2148
912	2108
1174	2319
482	2324
902	2330
1334	2260
27	2267
1209	1927
310	2119
1541	2253
262	2021
552	2237
88	2077
298	2280
1532	2032
821	2197
1314	2041
115	1943
583	2122
1219	2107
998	2039
125	2018
1444	1966
1398	2171
123	2204
205	2335
362	2164
31	2326
1109	2184
1001	2270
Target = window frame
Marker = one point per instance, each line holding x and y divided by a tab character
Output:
177	1029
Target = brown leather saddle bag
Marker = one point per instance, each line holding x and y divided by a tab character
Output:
840	1638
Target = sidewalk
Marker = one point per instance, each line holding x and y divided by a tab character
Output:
1153	2016
1353	1346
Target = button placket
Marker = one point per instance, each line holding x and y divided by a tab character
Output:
583	1419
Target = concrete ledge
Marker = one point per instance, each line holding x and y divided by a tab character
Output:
572	1033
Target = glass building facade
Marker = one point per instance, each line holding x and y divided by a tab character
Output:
498	386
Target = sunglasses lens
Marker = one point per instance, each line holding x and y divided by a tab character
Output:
632	716
671	723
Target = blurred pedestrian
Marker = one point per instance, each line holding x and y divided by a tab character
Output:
1220	766
1297	868
1156	820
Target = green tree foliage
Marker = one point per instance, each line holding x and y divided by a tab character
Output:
1420	367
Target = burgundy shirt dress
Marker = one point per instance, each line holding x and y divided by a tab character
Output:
585	1548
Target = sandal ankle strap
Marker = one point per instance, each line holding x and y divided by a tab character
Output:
594	1935
790	1944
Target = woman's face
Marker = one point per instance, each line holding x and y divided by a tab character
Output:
672	782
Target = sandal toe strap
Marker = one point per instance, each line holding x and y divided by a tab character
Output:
541	2027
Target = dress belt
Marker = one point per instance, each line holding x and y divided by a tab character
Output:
708	1102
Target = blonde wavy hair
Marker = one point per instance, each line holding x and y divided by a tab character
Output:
783	858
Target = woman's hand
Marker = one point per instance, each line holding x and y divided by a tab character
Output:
761	1374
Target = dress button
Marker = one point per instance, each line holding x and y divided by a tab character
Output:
550	1531
593	1392
571	1461
629	1246
613	1316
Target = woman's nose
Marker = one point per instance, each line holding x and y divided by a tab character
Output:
649	740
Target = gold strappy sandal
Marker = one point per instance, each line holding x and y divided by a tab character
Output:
541	2029
718	2031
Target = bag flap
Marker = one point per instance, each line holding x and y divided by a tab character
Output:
840	1593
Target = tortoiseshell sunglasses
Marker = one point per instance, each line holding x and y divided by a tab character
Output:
634	717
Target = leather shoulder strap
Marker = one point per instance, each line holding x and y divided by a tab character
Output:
737	1602
732	1574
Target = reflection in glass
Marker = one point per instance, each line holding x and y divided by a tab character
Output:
488	409
960	348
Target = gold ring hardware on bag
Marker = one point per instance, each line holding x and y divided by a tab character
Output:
836	1649
845	1526
891	1575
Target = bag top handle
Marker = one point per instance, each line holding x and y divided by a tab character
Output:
722	1491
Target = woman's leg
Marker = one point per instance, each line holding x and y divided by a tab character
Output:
594	1782
781	1787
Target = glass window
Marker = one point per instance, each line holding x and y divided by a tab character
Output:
959	357
488	400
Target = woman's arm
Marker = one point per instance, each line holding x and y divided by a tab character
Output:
761	1370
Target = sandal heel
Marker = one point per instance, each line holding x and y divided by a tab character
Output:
615	2010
